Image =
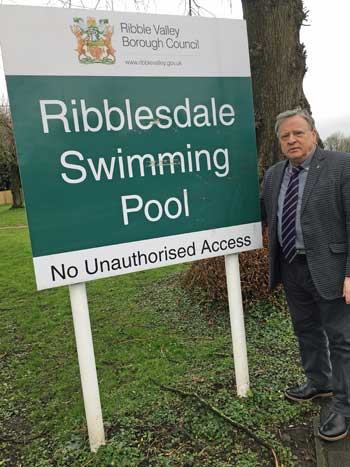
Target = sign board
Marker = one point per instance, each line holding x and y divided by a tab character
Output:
135	137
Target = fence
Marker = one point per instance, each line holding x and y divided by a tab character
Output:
6	197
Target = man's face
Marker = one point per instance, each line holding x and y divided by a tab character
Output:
296	139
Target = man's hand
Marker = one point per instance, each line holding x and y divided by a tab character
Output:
346	290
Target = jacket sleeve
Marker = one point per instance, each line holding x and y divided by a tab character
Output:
345	186
263	197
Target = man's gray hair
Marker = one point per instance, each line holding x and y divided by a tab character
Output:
292	113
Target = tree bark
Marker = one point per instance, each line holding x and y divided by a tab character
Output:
16	187
278	67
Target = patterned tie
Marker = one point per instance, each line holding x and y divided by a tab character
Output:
289	216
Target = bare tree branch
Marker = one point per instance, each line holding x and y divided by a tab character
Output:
199	8
215	410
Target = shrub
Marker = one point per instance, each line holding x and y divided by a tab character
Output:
207	280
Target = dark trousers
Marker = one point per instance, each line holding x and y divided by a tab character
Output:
323	331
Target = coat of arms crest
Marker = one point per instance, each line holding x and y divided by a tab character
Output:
94	41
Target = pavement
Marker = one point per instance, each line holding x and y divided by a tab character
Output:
330	454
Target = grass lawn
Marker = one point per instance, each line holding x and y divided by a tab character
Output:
146	333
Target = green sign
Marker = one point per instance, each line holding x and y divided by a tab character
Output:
135	137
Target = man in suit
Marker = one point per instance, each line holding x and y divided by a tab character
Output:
306	205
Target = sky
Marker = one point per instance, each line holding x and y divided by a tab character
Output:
327	39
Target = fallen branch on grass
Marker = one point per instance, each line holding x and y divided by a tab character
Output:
213	409
8	439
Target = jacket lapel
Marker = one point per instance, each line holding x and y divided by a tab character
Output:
316	166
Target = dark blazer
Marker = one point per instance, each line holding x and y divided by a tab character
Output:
325	220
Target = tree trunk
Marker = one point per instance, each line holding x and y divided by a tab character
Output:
16	187
278	67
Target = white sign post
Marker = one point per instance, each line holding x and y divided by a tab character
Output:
86	357
237	324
